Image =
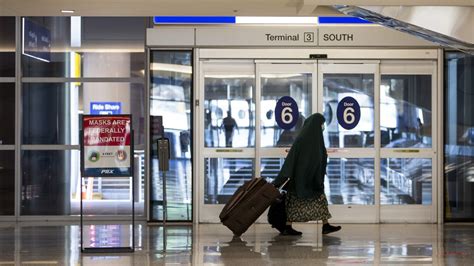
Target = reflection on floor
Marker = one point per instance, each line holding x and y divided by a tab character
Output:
367	244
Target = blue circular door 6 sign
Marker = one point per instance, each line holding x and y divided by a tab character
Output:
348	113
286	112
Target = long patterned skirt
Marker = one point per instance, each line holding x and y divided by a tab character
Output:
305	210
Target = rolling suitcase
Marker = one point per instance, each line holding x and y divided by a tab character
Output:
247	204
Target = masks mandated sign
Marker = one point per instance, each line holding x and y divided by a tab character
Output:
106	150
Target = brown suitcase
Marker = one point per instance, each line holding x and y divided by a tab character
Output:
247	204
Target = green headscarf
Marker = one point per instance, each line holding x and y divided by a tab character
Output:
306	161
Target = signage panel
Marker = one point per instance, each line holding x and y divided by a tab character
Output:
257	36
106	108
106	145
170	36
36	41
348	113
286	112
366	36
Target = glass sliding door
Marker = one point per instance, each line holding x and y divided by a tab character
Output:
274	81
170	97
240	92
227	146
351	183
408	134
383	169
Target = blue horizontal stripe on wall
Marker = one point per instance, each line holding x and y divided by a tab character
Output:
193	19
342	20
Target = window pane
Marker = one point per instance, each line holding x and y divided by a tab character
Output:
405	181
459	136
405	102
51	186
109	47
170	98
350	181
51	110
224	176
7	113
275	86
359	87
7	182
46	181
7	46
229	110
270	167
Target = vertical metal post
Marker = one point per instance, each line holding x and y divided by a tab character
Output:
81	214
165	213
163	157
18	74
165	205
148	141
132	166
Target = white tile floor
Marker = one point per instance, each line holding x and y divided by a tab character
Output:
362	244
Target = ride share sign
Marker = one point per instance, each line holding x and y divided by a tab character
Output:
106	145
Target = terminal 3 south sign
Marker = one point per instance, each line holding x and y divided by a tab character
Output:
294	36
106	145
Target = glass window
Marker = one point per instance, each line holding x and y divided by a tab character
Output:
223	176
350	181
229	119
270	167
275	86
405	181
170	98
51	186
359	87
405	102
51	110
7	46
7	113
7	182
46	181
459	136
101	47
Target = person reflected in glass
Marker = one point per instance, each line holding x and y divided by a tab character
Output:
419	129
229	124
305	165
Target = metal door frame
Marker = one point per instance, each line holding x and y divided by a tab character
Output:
381	56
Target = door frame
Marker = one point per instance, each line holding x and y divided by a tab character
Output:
419	213
349	56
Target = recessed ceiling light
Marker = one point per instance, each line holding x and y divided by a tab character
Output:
67	11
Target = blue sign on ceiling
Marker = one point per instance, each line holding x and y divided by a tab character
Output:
194	20
36	41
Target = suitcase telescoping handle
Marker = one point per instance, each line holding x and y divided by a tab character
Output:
284	184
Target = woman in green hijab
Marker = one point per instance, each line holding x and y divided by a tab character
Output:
305	165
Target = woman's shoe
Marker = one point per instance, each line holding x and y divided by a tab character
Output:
289	231
279	228
327	228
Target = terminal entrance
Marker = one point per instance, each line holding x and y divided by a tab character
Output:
380	171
